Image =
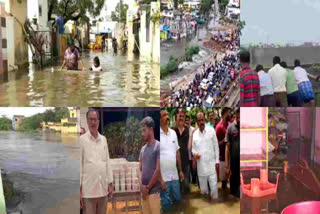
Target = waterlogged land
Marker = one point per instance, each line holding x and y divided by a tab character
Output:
45	167
122	83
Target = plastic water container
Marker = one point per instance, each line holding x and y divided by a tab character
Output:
307	207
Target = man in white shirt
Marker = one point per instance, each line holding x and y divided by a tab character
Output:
95	170
169	160
303	82
266	89
205	149
279	78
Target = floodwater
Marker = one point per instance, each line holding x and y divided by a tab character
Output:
46	167
176	48
122	83
289	191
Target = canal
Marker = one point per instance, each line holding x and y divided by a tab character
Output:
45	167
121	83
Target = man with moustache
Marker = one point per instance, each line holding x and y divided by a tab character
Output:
221	130
150	169
169	160
183	133
233	154
205	149
95	170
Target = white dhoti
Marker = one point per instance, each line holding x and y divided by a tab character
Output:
212	181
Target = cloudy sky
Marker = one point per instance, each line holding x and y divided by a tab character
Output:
26	111
280	21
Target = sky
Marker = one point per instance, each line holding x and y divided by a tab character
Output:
280	21
26	111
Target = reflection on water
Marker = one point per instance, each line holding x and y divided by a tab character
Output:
289	191
122	83
45	166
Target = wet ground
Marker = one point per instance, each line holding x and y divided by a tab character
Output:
45	167
195	203
121	83
289	191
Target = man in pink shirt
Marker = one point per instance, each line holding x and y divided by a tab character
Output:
221	130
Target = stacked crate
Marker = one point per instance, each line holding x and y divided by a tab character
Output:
126	176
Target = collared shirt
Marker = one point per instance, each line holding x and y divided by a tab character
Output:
291	82
221	130
95	167
249	87
279	78
183	140
168	155
300	74
206	144
265	83
233	137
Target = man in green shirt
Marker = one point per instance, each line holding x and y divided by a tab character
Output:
293	95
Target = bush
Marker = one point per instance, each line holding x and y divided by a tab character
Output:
10	194
124	139
170	67
5	124
190	51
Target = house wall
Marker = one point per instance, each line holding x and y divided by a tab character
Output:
18	10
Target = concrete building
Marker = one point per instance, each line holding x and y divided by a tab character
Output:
17	57
16	121
149	34
70	124
3	42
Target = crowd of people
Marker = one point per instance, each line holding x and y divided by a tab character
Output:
213	79
199	155
279	87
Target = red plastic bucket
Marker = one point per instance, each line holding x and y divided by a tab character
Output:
307	207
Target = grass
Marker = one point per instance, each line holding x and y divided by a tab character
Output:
10	193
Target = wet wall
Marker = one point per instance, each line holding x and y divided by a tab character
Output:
306	118
264	56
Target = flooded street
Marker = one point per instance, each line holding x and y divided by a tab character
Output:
45	166
176	48
121	83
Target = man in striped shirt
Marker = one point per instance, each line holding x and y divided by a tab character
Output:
249	83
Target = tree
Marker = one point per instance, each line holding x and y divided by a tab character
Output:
75	10
123	13
205	7
242	24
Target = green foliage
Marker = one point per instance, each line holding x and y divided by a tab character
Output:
5	124
76	10
123	13
10	194
192	112
124	139
170	67
33	123
190	51
242	24
224	3
205	6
